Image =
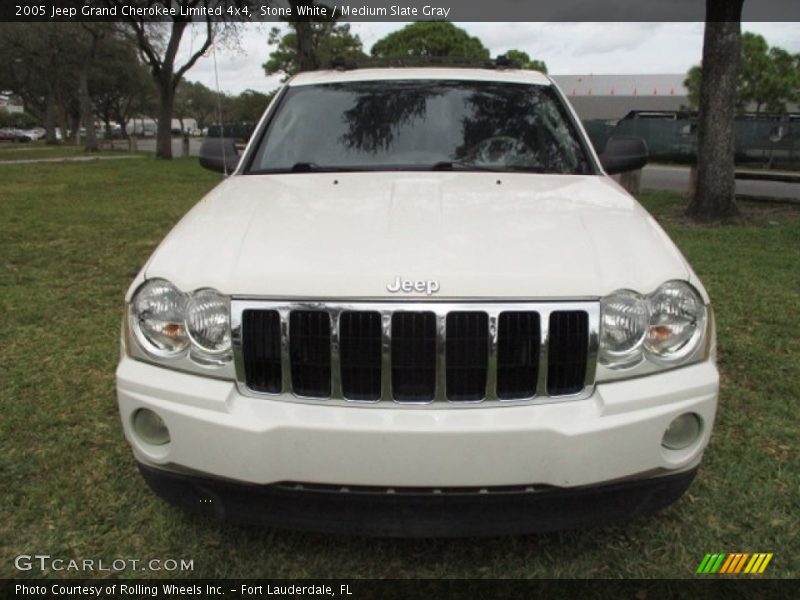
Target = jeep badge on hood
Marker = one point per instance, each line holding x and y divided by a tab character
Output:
429	286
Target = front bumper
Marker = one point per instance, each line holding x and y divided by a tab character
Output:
612	436
417	513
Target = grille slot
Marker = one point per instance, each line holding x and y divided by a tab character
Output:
518	341
261	347
467	351
413	356
310	352
454	353
567	352
360	350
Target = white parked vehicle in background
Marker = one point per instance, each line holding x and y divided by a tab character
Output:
12	134
419	305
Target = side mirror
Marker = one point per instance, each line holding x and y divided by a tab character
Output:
219	154
624	153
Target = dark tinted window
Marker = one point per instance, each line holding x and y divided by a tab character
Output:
421	124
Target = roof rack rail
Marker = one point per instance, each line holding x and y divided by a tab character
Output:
344	64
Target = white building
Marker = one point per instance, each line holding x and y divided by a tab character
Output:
8	105
614	96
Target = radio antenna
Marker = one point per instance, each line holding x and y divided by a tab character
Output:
219	107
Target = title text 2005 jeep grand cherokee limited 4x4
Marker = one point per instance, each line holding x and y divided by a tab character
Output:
419	306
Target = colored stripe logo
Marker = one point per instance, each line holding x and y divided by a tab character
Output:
734	563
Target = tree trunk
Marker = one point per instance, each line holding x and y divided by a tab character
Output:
304	34
692	181
65	127
164	130
306	56
75	122
715	196
123	126
87	113
50	119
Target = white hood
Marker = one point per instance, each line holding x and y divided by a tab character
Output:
480	235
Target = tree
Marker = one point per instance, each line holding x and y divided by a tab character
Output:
158	44
768	77
714	197
796	93
755	71
784	84
525	62
196	101
309	45
35	68
692	85
16	120
123	88
430	39
88	39
307	59
248	106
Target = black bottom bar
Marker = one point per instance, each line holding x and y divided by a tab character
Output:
417	514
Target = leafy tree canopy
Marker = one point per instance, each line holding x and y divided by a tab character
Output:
20	120
769	77
526	62
430	39
327	39
247	107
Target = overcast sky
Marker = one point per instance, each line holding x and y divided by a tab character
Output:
566	48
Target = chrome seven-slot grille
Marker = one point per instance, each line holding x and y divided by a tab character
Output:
415	352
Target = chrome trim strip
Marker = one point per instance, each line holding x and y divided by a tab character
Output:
236	345
440	309
336	363
286	357
594	346
440	395
491	367
544	344
386	356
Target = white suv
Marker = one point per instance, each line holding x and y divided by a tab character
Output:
419	305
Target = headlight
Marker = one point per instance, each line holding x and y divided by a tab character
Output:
184	331
623	326
208	321
642	334
677	321
157	315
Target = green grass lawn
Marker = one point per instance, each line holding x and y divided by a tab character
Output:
72	236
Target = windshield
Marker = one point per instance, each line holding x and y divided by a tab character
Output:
420	125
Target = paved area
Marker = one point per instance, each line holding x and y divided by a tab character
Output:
149	145
24	161
662	177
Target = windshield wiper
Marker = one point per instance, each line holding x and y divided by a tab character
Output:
444	165
303	167
455	165
310	167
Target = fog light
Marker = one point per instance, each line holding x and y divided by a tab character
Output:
150	427
682	432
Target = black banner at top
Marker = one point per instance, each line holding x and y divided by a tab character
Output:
385	10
